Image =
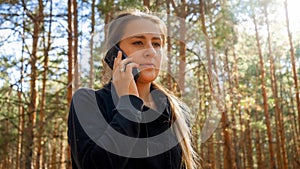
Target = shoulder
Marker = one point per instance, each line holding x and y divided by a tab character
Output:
87	95
105	91
85	98
106	96
106	100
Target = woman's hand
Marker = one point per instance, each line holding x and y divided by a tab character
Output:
123	80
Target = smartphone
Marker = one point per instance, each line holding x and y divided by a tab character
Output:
110	56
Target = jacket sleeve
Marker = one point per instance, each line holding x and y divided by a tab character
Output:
89	152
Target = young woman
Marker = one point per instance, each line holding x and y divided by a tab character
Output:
147	126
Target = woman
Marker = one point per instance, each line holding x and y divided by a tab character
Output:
146	124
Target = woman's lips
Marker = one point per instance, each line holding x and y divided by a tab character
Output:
147	66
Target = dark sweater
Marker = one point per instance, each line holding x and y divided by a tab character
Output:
95	146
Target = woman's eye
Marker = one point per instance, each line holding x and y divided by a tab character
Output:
138	43
156	44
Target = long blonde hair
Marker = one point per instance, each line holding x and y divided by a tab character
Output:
180	112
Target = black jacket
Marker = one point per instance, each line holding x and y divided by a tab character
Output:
93	146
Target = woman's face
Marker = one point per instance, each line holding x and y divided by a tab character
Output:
143	42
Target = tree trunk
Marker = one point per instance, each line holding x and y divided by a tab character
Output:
236	150
182	48
92	73
32	108
279	119
70	70
294	128
21	120
264	93
228	161
248	140
53	161
238	110
259	155
182	13
294	67
75	47
211	153
202	80
61	156
169	49
41	122
44	156
204	31
146	3
19	155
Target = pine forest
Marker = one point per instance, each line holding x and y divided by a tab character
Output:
235	63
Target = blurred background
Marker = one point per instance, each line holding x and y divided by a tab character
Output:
236	64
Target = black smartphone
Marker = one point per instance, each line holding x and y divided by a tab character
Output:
110	56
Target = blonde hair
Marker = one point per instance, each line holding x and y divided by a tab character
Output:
180	112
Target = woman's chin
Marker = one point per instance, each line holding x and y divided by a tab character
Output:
147	76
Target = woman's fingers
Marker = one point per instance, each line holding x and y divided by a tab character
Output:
130	65
121	64
117	60
122	76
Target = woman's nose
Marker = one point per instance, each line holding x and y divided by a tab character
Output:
150	51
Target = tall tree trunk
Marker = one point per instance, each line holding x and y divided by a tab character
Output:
4	160
204	31
294	67
211	153
146	3
294	128
108	16
248	140
236	150
70	52
70	70
21	120
32	108
259	155
61	154
237	106
202	81
241	143
44	156
41	122
75	47
19	155
181	11
280	136
53	161
229	163
92	73
169	49
264	93
182	48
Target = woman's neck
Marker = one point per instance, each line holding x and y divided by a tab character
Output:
144	93
144	90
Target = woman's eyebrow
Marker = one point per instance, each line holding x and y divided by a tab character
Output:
143	37
157	38
139	37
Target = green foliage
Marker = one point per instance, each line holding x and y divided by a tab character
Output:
233	51
105	7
